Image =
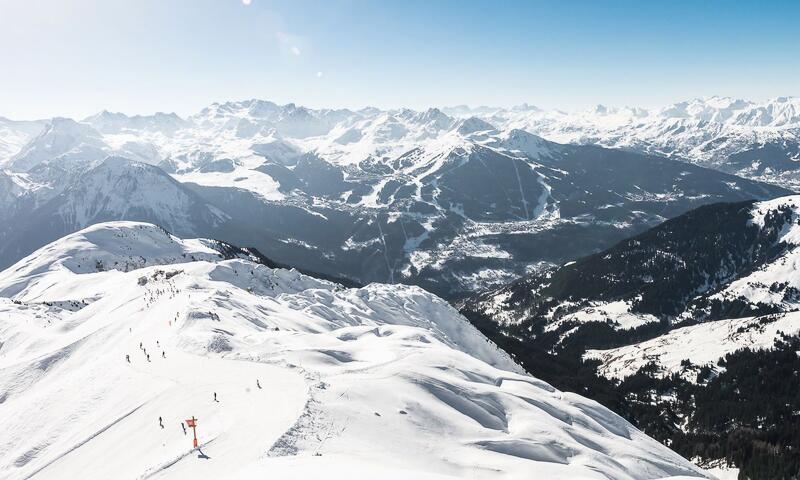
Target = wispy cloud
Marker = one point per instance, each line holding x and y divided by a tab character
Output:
289	43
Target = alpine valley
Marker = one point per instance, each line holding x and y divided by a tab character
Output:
455	203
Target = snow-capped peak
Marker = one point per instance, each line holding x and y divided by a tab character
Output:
474	125
115	122
530	145
61	137
119	245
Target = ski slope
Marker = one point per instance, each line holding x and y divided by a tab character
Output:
311	379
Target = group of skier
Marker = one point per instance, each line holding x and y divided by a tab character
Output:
144	350
164	355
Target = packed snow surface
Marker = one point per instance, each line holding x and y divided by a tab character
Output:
310	379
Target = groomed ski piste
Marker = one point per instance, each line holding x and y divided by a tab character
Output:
312	380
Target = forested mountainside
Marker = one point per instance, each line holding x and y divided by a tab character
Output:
662	327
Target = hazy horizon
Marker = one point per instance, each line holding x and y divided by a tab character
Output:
389	108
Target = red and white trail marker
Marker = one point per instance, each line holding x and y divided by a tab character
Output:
192	422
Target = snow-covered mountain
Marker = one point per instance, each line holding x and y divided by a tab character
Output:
116	189
113	336
16	192
758	140
16	134
63	142
662	316
452	204
117	123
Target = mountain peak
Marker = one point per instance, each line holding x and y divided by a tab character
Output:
474	124
60	137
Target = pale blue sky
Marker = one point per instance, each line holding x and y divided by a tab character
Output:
76	57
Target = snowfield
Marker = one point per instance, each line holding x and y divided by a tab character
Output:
702	344
618	314
311	379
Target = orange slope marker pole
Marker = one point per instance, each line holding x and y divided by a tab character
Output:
193	423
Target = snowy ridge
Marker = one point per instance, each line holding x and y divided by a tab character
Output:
702	345
118	185
14	135
63	141
123	246
116	189
310	378
618	314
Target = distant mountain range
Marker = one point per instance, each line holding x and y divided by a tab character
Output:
455	203
754	139
758	140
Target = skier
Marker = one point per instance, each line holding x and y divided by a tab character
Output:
258	384
140	346
160	422
148	357
215	396
184	428
163	354
128	358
